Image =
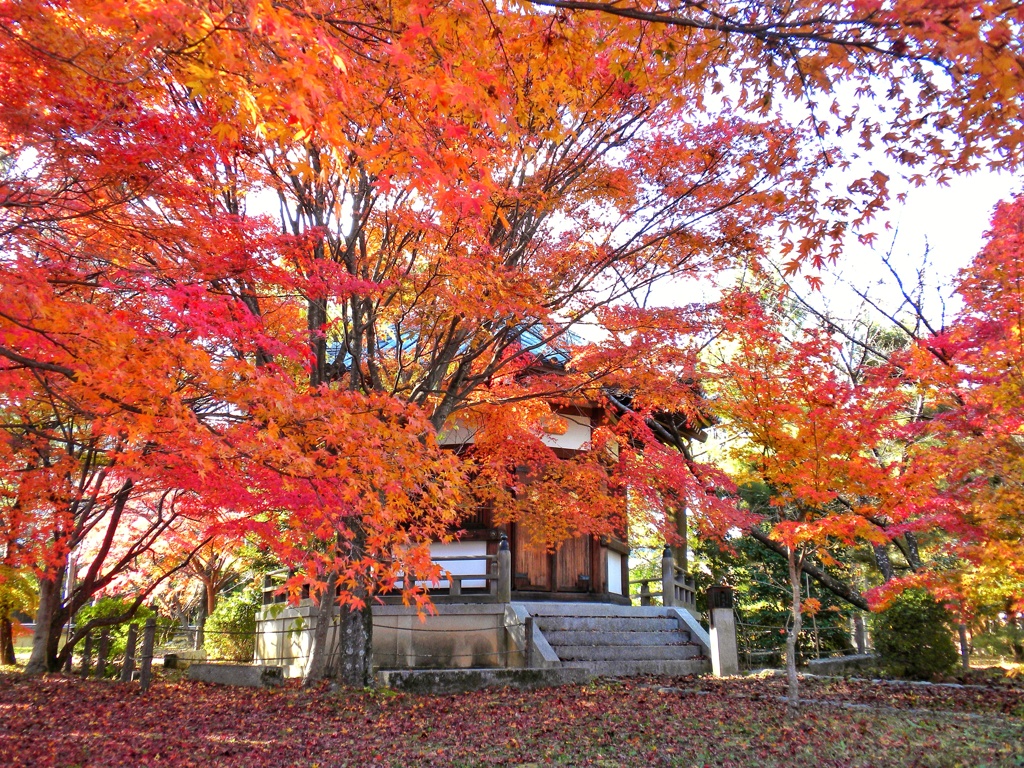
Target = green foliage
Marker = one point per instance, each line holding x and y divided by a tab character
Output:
19	592
914	637
760	579
108	607
231	628
1003	638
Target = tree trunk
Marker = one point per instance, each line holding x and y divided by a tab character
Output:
320	652
882	561
793	698
211	595
49	601
913	553
354	662
965	648
7	642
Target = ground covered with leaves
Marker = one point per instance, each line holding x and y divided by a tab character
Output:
59	721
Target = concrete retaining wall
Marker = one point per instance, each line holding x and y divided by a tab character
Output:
459	636
236	674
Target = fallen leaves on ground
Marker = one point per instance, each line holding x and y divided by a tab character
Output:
60	721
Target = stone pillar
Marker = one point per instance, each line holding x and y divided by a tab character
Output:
859	637
504	593
724	655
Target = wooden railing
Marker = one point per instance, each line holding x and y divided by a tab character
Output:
492	576
675	588
496	575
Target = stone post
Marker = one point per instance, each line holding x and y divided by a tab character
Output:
504	571
724	656
859	637
668	578
530	649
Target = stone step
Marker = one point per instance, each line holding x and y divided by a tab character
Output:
606	623
674	668
594	610
567	653
599	637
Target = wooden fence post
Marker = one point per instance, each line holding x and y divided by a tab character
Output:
128	667
87	655
148	637
101	656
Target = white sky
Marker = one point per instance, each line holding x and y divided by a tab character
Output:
949	223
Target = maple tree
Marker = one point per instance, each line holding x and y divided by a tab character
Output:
969	447
809	434
462	185
136	386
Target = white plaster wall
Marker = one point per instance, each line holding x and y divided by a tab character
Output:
462	549
614	573
576	435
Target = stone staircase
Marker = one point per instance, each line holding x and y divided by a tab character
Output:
614	640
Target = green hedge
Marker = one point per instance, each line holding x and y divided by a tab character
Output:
914	637
231	628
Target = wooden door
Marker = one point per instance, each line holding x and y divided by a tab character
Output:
532	563
573	565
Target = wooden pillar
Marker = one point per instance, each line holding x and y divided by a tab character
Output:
680	552
148	638
128	667
668	578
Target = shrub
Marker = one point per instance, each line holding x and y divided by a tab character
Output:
107	607
914	637
230	631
